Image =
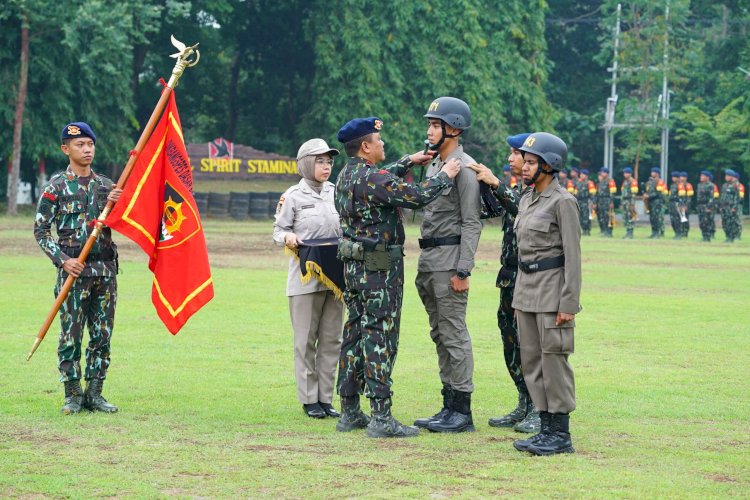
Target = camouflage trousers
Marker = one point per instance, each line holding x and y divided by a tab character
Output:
583	216
731	223
91	302
506	321
370	343
656	217
628	209
707	222
674	218
602	215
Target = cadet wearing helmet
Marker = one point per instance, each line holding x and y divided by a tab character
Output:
450	235
547	295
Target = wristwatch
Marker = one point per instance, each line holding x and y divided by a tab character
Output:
462	275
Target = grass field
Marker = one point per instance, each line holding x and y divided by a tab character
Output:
662	369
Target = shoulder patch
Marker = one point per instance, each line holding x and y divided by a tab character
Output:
49	196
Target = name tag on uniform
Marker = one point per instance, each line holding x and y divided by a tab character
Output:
307	206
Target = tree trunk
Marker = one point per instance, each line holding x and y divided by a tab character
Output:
15	167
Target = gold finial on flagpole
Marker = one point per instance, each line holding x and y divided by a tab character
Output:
184	58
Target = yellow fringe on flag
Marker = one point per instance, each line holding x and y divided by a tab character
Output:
313	269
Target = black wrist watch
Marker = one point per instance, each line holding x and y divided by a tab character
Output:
462	275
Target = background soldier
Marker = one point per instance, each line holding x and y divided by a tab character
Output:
605	189
729	201
655	192
509	179
674	205
525	417
708	194
572	185
72	201
686	197
628	192
586	189
449	238
740	202
368	200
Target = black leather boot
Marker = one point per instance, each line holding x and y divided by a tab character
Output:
459	418
352	416
557	440
523	444
73	397
447	393
93	400
383	425
515	416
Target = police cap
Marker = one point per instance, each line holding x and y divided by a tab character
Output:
359	127
315	147
75	130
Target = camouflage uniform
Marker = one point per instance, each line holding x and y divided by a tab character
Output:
730	204
655	191
627	203
72	205
604	191
674	203
584	190
686	194
369	201
708	192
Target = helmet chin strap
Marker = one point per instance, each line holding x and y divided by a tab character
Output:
540	171
435	147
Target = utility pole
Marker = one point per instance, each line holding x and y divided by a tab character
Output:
609	119
664	160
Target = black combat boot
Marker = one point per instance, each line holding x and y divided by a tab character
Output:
515	416
523	444
73	397
459	418
93	400
352	416
383	425
557	440
447	393
531	423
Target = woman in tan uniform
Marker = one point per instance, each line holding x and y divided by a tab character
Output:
306	212
548	287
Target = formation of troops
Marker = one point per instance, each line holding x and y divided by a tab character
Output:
678	199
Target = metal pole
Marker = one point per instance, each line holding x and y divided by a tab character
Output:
609	139
665	100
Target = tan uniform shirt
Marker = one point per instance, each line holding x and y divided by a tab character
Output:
309	215
547	225
456	211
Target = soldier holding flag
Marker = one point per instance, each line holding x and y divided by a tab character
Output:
71	202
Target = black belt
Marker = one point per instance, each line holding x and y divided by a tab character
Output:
439	242
104	255
542	265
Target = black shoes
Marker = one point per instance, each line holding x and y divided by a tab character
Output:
458	418
329	410
314	410
523	444
73	397
554	437
93	400
447	393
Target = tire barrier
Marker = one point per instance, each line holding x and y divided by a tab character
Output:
239	205
259	205
201	202
273	200
218	204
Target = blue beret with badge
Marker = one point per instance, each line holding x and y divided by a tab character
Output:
627	170
516	141
78	129
359	127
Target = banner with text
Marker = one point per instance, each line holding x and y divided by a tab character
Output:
221	159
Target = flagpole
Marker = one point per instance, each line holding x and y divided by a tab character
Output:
187	57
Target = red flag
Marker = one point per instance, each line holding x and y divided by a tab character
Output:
158	212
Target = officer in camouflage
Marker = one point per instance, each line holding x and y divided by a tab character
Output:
525	417
585	190
71	202
730	203
369	202
627	199
605	190
654	194
686	193
707	196
674	205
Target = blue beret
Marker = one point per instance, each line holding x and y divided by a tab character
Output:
585	171
77	129
727	171
683	173
574	169
358	127
655	170
516	141
506	168
675	173
707	174
604	170
627	170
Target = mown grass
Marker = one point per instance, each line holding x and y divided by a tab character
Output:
662	357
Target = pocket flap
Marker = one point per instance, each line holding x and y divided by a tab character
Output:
538	224
549	322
